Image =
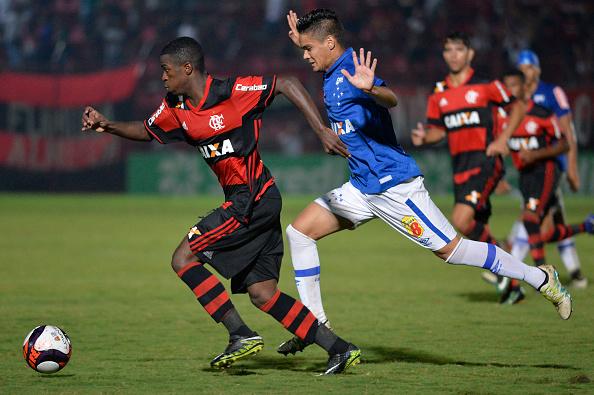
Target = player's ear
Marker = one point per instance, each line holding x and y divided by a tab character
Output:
188	68
470	54
330	42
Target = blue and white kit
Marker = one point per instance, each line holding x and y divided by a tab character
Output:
385	182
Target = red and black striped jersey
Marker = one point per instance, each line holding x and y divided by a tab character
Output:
539	129
467	114
224	127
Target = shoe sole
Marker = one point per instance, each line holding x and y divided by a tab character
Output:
225	363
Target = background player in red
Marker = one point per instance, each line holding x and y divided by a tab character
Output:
462	109
535	146
241	239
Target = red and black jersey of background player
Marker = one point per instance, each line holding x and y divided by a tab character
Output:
224	127
539	129
467	113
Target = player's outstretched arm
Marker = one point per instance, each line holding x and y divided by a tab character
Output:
528	157
499	146
421	136
573	175
94	120
364	79
296	93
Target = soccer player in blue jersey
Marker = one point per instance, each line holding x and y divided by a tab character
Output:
385	182
553	98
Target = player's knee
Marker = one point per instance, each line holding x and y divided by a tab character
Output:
463	224
261	294
296	236
179	260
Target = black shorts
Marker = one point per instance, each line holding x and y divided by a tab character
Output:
538	185
247	253
476	186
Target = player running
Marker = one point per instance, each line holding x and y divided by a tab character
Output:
535	146
464	108
241	239
384	181
554	99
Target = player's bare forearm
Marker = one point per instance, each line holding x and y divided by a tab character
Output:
568	130
517	113
130	130
294	90
383	96
552	151
434	135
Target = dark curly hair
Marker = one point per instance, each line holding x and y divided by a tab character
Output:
458	36
185	49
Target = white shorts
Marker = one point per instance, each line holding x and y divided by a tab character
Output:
406	207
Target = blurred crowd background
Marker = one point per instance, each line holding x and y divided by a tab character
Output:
62	37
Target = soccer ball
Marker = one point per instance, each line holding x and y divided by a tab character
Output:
47	349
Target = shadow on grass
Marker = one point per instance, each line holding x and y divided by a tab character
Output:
246	367
56	376
381	354
480	297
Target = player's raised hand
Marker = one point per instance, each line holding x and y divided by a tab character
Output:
332	143
93	119
293	32
364	71
418	134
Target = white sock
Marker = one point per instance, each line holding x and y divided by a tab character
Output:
306	262
569	255
520	245
493	258
513	233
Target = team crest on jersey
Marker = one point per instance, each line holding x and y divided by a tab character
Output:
531	127
339	80
345	127
532	204
471	96
466	118
216	149
216	122
412	226
443	102
473	197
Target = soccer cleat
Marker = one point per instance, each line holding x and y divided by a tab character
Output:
589	224
554	292
578	282
291	346
338	363
239	347
295	344
516	295
490	278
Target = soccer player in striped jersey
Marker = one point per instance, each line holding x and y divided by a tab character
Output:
385	182
553	98
535	146
241	239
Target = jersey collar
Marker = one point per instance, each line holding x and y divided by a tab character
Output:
468	77
338	62
204	95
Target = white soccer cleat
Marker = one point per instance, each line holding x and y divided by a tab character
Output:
553	291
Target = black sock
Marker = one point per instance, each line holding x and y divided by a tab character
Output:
339	347
235	325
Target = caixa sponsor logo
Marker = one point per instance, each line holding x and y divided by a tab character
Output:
344	127
466	118
249	88
216	149
518	143
156	114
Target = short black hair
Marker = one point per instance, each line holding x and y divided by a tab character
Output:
185	50
321	22
458	36
514	73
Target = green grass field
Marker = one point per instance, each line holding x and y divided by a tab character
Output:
98	266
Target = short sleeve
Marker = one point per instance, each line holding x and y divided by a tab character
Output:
253	93
434	113
498	94
164	126
560	102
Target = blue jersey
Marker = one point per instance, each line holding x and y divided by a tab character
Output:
554	99
377	161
